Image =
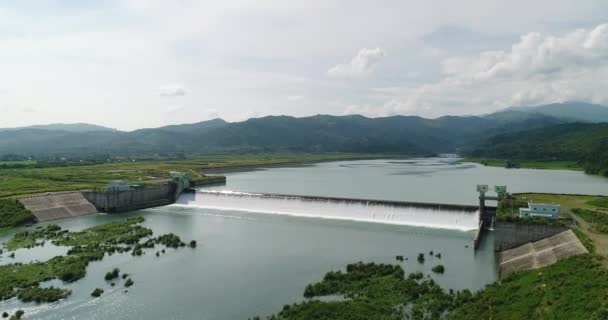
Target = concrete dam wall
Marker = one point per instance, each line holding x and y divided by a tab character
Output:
129	200
61	205
508	235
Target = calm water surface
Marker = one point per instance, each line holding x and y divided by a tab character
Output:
423	180
253	263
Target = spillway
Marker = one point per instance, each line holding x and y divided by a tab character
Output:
374	211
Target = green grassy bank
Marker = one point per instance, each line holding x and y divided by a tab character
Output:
529	164
27	181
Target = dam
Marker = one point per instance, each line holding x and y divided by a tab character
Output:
441	216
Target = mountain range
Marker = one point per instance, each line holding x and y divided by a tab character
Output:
321	133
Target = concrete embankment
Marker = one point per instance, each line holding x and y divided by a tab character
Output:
540	253
129	200
509	235
52	206
161	194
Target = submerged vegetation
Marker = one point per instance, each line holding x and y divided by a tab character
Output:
112	274
23	280
97	292
438	269
373	291
573	288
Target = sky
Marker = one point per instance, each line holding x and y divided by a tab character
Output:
130	64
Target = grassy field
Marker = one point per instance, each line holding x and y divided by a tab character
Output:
591	209
24	163
550	165
26	181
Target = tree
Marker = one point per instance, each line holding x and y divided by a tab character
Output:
421	257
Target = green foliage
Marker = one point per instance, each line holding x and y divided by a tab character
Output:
32	238
169	240
13	213
112	274
599	202
372	291
574	288
22	280
129	282
18	315
17	277
97	292
585	240
438	269
586	144
509	207
40	295
597	220
421	258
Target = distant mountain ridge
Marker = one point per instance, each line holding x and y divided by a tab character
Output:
321	133
568	111
69	127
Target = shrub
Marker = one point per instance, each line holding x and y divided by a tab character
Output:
112	275
421	257
438	269
129	283
97	292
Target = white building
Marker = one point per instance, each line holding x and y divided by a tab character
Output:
543	210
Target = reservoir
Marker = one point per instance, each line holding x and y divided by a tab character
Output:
254	255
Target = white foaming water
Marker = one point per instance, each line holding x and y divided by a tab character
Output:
332	209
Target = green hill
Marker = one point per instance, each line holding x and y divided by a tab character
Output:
569	111
409	135
585	143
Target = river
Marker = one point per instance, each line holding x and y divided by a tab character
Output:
252	263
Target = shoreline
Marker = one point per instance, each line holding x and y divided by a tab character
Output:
526	164
290	164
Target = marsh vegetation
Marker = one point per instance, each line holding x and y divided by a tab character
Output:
23	280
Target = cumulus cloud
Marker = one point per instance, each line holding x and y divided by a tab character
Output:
537	69
360	66
172	90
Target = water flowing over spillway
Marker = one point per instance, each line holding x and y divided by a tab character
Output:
333	208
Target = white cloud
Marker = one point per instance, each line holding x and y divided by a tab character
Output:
537	69
360	66
113	55
172	90
295	98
